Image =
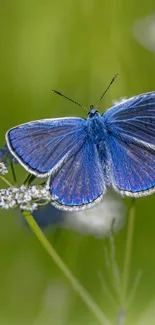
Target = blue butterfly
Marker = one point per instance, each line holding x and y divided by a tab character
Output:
83	157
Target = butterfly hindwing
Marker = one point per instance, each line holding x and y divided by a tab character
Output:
131	145
42	146
132	167
80	182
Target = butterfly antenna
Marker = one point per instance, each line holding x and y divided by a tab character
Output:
71	100
111	82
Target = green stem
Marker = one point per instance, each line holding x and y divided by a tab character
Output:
25	181
29	179
85	296
128	251
5	180
13	173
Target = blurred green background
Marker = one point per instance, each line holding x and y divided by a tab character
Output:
75	47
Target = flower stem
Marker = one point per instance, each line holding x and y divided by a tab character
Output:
79	289
13	173
29	179
5	180
128	251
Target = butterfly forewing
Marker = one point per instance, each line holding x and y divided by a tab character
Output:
134	118
43	146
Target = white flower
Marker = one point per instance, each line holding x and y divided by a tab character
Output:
29	206
3	169
23	197
107	216
6	203
40	192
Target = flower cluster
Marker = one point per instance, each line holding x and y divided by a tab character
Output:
24	197
3	169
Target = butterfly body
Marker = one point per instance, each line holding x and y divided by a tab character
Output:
95	127
83	157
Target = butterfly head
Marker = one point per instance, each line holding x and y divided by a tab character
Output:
93	112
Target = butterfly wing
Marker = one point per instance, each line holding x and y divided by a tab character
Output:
79	184
130	128
43	146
